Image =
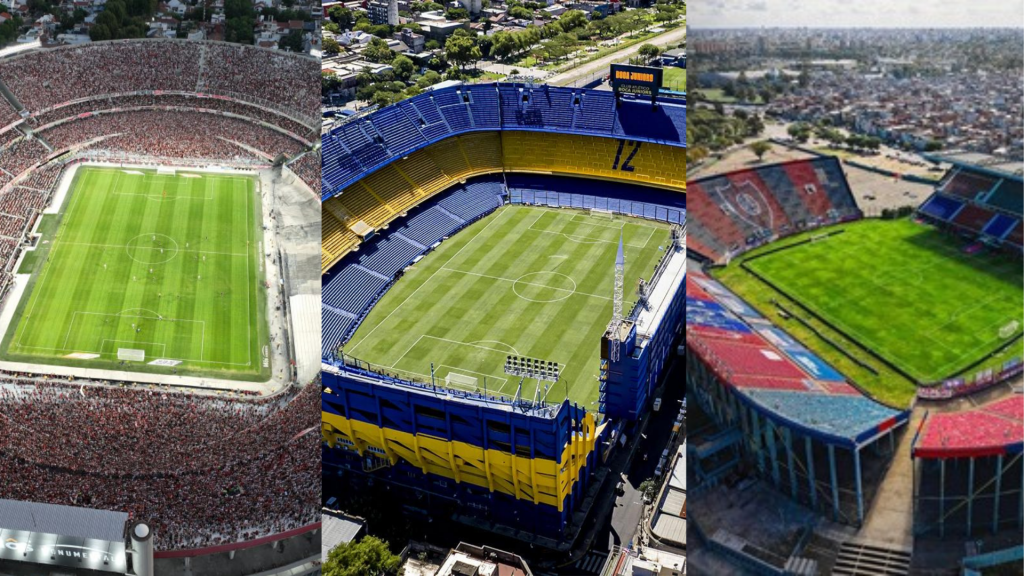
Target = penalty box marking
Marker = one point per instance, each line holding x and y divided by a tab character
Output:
75	314
589	239
457	369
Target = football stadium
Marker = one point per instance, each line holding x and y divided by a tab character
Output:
861	365
158	208
503	279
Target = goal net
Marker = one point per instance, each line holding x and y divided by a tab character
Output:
131	354
602	214
165	171
454	379
1009	330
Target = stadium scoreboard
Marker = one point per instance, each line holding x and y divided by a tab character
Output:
637	80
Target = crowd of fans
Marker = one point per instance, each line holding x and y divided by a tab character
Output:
18	156
173	134
308	169
203	470
42	79
179	100
270	75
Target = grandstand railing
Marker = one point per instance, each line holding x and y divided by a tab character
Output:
234	546
228	96
212	111
349	365
647	210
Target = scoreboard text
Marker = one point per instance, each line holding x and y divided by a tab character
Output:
640	80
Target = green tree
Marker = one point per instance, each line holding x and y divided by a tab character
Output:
760	148
403	67
432	44
341	16
460	49
378	51
649	52
98	33
457	14
367	557
428	79
521	13
292	42
572	19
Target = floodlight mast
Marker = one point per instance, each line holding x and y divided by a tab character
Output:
620	272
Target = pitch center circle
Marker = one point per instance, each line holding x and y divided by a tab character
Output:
544	287
151	248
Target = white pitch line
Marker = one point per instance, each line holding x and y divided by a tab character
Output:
425	282
125	246
526	283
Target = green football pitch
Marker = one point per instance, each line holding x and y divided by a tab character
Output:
906	291
525	281
147	267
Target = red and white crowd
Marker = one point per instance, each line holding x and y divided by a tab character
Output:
203	470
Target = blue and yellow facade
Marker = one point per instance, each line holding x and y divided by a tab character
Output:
517	465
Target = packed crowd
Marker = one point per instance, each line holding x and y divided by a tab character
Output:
270	75
308	169
204	471
42	79
173	134
18	156
8	115
11	226
180	100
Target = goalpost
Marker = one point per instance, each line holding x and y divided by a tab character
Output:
131	354
454	379
602	213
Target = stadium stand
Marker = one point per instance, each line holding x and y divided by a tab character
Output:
351	288
356	147
975	200
741	210
995	428
307	168
196	462
215	456
966	184
775	378
125	66
173	134
396	187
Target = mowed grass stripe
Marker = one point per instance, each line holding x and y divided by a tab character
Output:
206	277
905	290
459	307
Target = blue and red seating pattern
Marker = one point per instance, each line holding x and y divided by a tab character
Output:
740	210
774	373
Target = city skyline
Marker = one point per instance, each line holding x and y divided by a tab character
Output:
893	14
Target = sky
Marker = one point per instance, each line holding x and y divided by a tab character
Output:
855	13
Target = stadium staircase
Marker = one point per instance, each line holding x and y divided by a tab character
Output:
860	559
9	96
201	79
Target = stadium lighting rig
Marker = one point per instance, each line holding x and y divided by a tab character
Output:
543	370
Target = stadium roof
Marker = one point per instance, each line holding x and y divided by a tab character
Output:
772	372
355	147
996	165
338	529
63	520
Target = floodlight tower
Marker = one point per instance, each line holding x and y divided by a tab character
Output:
620	272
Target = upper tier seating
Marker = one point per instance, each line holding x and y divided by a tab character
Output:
734	211
354	147
967	184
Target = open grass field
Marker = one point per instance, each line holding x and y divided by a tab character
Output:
674	79
164	264
904	290
525	281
